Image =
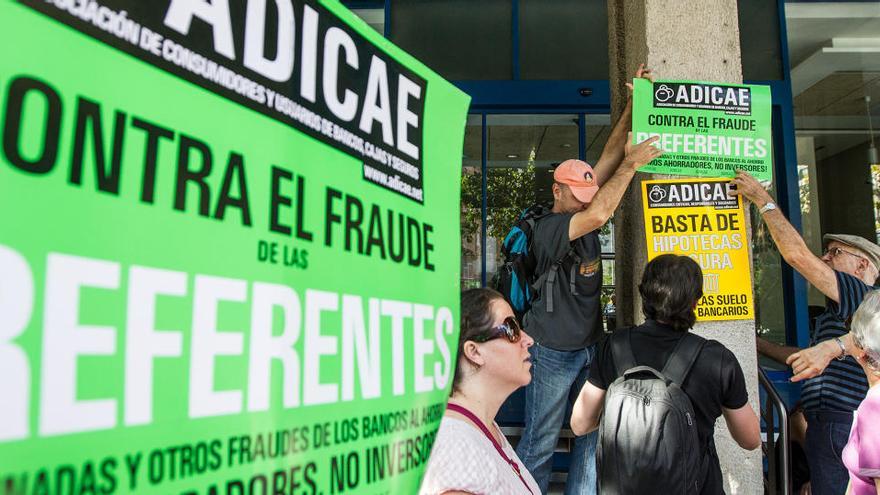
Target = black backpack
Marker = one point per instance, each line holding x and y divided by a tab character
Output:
516	279
648	440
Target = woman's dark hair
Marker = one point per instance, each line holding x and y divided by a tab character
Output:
671	286
476	319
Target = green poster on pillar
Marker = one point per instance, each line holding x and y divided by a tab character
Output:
705	129
229	249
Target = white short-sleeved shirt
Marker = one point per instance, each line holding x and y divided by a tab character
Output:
463	459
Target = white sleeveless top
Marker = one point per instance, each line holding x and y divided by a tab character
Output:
463	459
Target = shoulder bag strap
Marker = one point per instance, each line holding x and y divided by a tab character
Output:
473	417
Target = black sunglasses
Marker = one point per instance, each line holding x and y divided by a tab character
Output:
509	328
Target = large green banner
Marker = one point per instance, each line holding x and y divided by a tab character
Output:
705	129
229	249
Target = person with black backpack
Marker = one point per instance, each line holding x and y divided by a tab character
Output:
656	392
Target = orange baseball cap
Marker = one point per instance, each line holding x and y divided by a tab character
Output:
579	176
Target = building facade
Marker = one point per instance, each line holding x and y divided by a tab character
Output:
538	72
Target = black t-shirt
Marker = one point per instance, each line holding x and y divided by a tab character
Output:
575	321
715	381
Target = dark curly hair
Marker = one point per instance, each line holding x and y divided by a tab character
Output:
476	319
671	286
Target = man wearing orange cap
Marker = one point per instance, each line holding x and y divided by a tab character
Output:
565	318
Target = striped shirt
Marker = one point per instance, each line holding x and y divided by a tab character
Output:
843	385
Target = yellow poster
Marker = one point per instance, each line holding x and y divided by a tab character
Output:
696	217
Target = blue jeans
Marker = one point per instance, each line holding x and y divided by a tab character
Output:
557	378
827	434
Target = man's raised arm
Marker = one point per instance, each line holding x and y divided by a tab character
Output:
600	209
812	361
613	152
788	241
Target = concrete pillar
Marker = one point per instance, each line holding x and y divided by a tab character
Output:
692	41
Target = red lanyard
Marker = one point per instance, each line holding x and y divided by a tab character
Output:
471	416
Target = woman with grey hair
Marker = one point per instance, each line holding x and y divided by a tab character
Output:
861	456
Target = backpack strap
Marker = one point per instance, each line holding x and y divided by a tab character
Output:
683	357
548	279
532	221
575	266
621	351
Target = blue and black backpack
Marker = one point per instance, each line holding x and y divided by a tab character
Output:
515	277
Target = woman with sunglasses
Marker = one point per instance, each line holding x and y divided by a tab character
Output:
861	456
470	454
